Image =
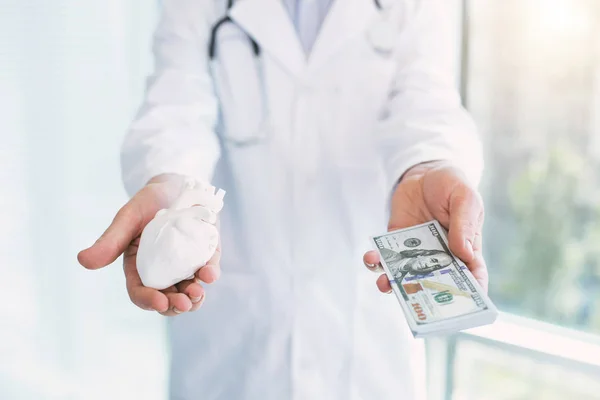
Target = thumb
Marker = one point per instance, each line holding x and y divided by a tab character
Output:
466	221
126	226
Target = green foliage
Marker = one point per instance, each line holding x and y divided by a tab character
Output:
555	204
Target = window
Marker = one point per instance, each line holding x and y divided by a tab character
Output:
516	358
533	85
71	76
521	359
531	79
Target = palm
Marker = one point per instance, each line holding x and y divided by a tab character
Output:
421	198
440	193
409	206
135	286
123	237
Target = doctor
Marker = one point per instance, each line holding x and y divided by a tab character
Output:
324	120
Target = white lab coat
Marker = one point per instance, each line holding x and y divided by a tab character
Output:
295	315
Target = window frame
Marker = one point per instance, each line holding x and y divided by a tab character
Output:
542	341
538	340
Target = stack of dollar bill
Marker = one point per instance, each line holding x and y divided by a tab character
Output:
437	292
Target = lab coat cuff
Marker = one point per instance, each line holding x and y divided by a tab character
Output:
134	181
472	168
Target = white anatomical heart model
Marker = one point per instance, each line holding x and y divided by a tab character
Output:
182	238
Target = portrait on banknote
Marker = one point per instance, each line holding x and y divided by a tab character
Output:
435	289
415	262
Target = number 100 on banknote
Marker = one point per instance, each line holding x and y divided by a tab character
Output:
437	292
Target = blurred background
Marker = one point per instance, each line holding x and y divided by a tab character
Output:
71	76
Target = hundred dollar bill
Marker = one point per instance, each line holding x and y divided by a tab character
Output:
437	292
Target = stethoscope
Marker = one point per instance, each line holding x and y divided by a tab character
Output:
251	127
215	30
380	38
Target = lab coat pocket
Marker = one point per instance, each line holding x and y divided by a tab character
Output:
234	298
226	321
220	336
239	85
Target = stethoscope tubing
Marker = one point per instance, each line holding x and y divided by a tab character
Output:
212	47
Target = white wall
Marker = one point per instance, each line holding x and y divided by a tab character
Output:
71	75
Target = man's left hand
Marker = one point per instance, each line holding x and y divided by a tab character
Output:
437	190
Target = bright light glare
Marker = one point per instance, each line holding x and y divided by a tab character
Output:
560	19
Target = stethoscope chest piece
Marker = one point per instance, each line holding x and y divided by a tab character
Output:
382	35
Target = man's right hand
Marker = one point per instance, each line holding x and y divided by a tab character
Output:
123	236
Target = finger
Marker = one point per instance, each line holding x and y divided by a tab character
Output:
126	226
170	289
192	290
195	292
148	299
466	220
169	313
178	303
479	270
478	266
212	270
142	296
383	284
372	262
197	305
208	274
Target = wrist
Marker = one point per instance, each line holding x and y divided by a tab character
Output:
166	188
175	178
418	170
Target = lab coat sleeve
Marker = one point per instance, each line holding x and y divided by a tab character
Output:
174	131
424	119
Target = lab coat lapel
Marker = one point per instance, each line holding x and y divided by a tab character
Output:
345	20
269	24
